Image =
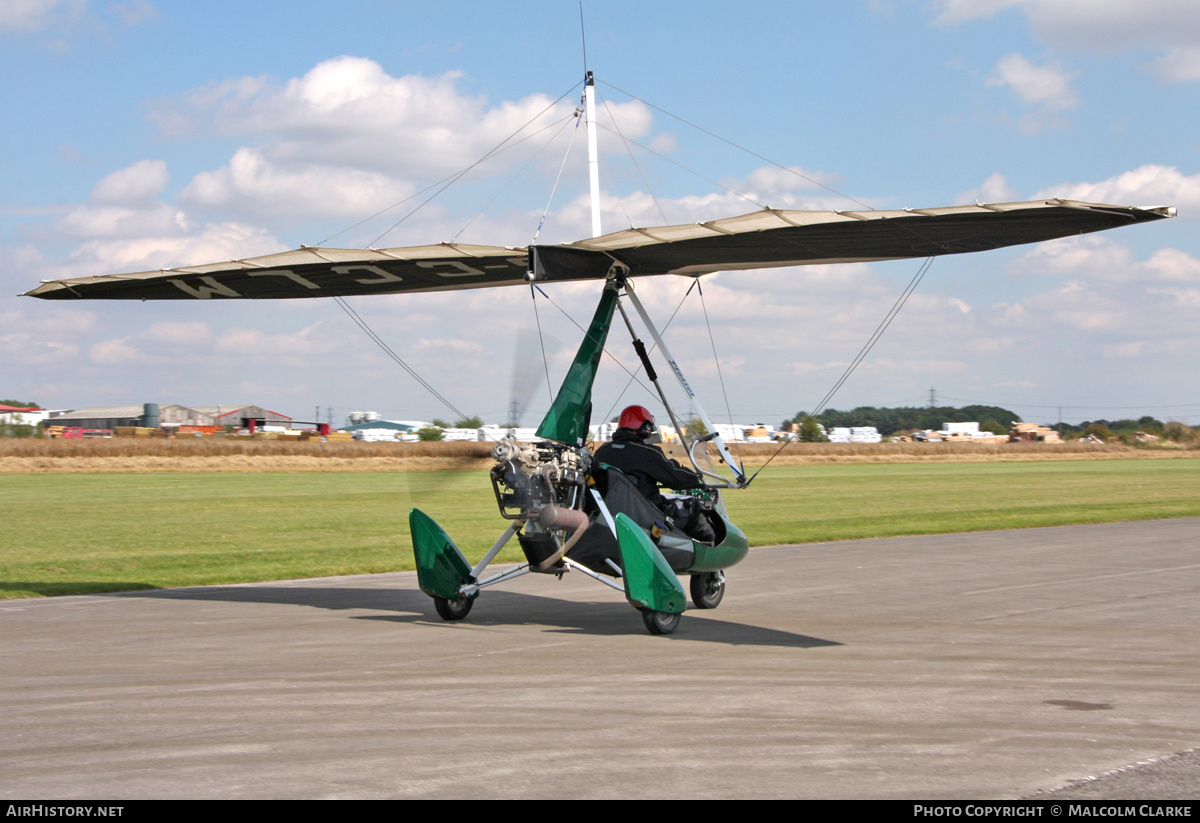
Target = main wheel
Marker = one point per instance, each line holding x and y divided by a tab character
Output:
708	589
453	609
660	622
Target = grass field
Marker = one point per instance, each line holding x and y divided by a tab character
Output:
87	532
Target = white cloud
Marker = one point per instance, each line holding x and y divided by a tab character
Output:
66	17
1098	257
1089	255
1114	24
117	352
142	181
1170	27
47	323
133	12
1078	307
122	221
995	189
252	183
1149	185
1048	86
1180	65
1088	24
168	343
347	111
1186	299
1171	265
347	139
33	351
957	12
1130	348
771	180
147	251
294	348
1117	319
32	15
171	332
453	346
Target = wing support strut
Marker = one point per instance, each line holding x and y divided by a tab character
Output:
737	469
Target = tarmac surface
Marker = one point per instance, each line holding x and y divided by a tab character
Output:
988	665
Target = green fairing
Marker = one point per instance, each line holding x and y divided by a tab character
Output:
649	581
733	550
569	415
441	566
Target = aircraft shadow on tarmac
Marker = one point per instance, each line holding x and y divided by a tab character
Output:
64	589
321	597
506	608
496	608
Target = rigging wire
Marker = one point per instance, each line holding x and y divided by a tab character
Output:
862	354
518	172
879	330
362	324
583	38
453	176
446	182
541	341
558	177
717	361
632	375
641	174
635	372
449	181
788	169
389	208
690	171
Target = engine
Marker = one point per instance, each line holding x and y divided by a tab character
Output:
542	485
528	477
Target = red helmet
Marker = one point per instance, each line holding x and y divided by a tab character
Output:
639	419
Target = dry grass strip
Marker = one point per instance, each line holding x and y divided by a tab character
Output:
129	455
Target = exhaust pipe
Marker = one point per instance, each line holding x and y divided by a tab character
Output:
558	517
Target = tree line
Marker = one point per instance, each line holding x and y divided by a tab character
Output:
889	421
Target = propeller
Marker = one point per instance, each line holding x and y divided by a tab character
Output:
529	372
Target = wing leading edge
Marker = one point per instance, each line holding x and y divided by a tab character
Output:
768	238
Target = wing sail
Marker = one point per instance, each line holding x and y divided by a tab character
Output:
767	238
309	272
775	237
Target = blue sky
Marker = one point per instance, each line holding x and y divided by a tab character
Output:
147	134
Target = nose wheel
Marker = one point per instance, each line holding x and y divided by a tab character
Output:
660	622
708	589
453	609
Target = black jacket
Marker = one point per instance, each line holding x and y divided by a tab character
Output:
646	465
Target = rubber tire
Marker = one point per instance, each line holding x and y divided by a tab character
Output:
707	589
660	622
453	609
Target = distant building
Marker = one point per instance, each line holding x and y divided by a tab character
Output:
22	415
240	417
100	417
854	434
385	430
169	416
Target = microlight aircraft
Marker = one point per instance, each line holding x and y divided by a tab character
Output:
568	512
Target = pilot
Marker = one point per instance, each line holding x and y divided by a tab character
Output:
649	469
